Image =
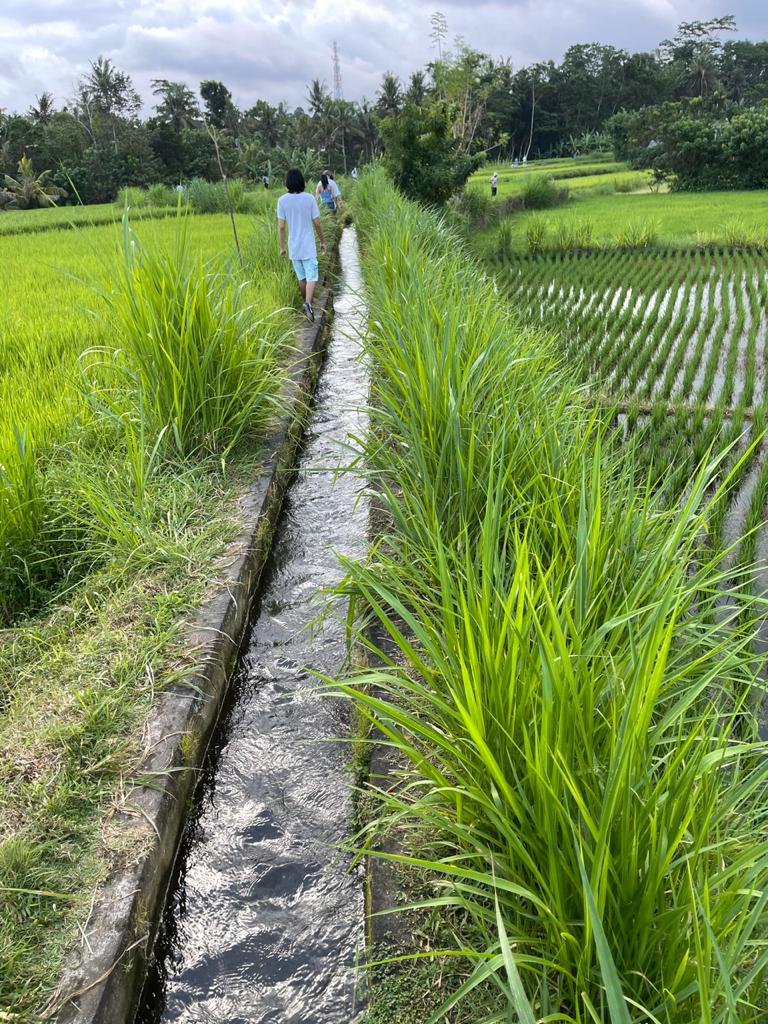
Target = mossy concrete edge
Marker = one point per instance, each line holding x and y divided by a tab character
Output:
103	977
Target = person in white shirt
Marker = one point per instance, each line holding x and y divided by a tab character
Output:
298	211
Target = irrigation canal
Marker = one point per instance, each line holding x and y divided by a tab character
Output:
264	920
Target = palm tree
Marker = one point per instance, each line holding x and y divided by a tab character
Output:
178	106
389	98
700	75
30	189
43	111
317	97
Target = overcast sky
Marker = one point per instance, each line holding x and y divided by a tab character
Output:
271	49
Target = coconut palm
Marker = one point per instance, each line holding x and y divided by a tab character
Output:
178	106
43	109
30	189
389	98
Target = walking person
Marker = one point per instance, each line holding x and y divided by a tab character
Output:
298	211
324	192
494	183
335	190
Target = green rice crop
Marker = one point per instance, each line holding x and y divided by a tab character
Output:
584	782
682	219
206	384
24	222
677	339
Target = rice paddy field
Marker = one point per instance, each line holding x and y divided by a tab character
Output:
676	341
594	219
140	366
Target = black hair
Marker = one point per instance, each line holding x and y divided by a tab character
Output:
294	180
324	180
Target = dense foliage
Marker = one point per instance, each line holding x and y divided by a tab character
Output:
98	141
698	144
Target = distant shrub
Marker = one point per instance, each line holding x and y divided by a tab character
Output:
541	192
131	196
638	234
206	196
161	195
474	207
536	234
209	196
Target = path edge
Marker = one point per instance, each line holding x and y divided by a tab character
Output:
103	977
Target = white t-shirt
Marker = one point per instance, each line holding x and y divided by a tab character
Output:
298	210
335	190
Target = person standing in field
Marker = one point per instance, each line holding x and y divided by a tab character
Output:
298	211
494	183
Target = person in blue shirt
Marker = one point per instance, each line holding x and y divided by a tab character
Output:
327	185
324	192
298	211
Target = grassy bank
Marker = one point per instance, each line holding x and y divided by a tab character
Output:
583	799
136	392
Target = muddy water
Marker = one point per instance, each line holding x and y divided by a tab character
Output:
264	921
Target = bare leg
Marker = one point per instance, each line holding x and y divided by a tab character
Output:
310	290
303	286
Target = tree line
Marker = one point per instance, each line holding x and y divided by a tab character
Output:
97	141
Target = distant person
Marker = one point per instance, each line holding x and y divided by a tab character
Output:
299	211
335	189
354	173
324	192
494	183
265	180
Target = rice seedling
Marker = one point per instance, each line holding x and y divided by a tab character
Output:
584	775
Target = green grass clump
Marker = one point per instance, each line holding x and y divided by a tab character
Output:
637	234
192	357
176	358
585	780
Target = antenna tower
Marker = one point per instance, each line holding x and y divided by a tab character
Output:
336	72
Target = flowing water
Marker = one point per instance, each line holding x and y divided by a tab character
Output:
264	920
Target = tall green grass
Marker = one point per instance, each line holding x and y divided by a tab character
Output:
585	785
193	355
146	359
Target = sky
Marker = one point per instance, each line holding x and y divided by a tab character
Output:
271	49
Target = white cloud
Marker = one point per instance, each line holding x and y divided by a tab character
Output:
272	51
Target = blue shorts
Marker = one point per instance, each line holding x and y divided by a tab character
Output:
306	270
